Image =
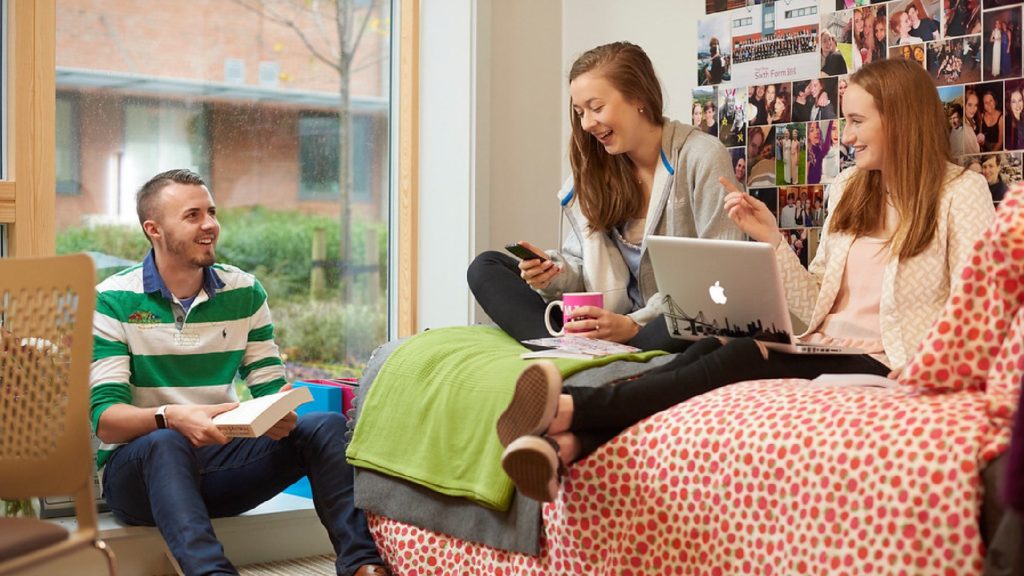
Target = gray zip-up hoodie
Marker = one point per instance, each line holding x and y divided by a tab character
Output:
689	203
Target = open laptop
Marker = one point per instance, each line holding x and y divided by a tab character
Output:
726	288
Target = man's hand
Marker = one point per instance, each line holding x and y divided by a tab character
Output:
195	422
285	425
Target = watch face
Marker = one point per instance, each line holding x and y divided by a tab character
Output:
161	421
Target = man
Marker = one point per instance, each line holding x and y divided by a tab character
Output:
710	124
716	68
990	168
169	337
802	102
923	28
956	130
787	216
822	108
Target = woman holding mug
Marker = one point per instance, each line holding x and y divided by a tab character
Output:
634	173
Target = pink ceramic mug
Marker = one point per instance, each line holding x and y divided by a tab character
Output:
569	303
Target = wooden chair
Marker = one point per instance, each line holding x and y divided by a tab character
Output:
46	312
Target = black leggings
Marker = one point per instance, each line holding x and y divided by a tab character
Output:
519	310
601	413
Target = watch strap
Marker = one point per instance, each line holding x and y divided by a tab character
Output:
161	417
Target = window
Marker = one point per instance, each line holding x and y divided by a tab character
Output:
158	136
66	157
254	111
739	22
318	157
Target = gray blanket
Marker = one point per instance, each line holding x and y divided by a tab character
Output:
517	530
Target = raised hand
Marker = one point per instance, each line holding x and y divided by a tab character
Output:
538	273
751	215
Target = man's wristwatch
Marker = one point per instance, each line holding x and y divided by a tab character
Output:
161	418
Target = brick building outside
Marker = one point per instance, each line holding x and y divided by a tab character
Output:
147	85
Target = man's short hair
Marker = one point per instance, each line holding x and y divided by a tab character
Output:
957	109
147	196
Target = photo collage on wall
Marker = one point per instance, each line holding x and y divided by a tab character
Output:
771	78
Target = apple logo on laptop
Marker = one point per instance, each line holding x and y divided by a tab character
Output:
717	293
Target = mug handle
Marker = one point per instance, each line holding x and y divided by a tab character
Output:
547	318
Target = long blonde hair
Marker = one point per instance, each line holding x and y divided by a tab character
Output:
606	185
913	174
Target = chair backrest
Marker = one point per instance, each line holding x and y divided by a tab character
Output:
46	314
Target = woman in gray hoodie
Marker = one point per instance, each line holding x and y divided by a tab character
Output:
634	173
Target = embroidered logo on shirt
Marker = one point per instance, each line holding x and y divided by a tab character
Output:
143	317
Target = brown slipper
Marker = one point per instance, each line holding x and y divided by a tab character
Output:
533	465
534	403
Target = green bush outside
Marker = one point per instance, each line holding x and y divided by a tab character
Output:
316	330
276	246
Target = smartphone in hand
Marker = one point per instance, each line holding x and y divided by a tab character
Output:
525	253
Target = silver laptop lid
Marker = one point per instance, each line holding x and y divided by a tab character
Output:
720	288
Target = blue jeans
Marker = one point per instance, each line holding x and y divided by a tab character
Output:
161	479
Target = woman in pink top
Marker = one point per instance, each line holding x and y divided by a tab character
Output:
900	223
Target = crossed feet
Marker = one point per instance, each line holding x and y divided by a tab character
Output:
534	429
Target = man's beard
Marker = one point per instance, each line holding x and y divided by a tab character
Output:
183	249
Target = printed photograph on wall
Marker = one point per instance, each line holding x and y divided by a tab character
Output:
1013	119
739	164
798	240
910	23
962	138
760	157
847	4
790	154
769	104
1002	43
823	151
770	196
836	43
705	106
815	99
915	53
713	50
842	83
983	109
732	116
869	35
774	42
801	206
714	6
955	61
962	17
1000	170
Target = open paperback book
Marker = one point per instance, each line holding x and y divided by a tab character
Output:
576	347
253	418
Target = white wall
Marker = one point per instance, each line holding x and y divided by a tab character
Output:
665	29
494	121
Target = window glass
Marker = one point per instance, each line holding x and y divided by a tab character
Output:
249	97
67	145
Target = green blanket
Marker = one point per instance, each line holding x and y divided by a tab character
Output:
430	416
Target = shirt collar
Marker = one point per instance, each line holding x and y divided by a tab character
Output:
152	282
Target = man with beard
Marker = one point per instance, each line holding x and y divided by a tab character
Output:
169	336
